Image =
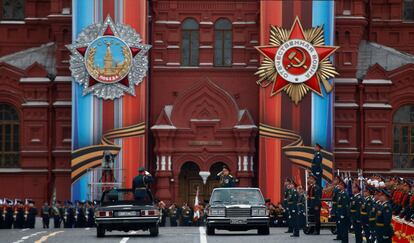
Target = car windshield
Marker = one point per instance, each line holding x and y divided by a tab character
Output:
237	196
140	196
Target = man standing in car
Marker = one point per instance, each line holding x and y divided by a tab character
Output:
226	179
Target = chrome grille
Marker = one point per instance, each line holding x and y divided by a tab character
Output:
238	212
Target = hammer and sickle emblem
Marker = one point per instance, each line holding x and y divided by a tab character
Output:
295	61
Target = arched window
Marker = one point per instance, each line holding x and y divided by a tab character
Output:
409	10
190	43
403	137
9	136
223	43
13	10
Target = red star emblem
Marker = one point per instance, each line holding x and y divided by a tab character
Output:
297	60
134	52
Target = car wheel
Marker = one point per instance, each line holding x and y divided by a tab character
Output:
100	231
154	230
210	230
308	230
263	231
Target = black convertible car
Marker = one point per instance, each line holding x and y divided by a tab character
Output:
125	210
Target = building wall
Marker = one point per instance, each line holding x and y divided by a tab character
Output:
43	101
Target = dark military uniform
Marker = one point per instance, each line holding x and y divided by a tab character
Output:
56	216
227	181
8	218
317	168
314	203
288	194
383	223
69	216
186	215
45	216
365	209
355	209
81	219
173	214
293	209
343	216
334	210
19	217
31	217
2	215
90	217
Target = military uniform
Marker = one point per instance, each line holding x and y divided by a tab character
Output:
31	216
173	214
293	209
18	217
343	216
365	210
288	193
334	210
81	216
90	217
314	203
383	223
227	181
8	218
317	167
186	215
356	201
45	216
56	216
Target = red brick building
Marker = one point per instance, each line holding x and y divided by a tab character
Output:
204	100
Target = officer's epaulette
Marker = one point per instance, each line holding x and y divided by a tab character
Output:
231	176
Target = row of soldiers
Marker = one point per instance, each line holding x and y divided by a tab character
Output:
16	214
363	209
181	216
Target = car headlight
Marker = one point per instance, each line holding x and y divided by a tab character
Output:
217	212
259	212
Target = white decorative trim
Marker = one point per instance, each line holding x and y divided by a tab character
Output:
251	163
169	162
35	140
172	64
19	170
245	163
12	22
63	79
376	141
376	152
31	18
160	127
239	163
159	41
59	15
254	42
173	47
206	23
244	22
62	103
345	81
245	126
206	47
34	80
376	81
346	105
173	22
349	17
253	60
206	64
158	60
35	103
67	140
163	163
343	141
158	163
377	105
239	47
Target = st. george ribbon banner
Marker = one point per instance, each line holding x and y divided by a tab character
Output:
297	153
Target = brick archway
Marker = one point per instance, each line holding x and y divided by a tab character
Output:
204	125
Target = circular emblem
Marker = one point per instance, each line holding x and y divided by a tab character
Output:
296	61
108	59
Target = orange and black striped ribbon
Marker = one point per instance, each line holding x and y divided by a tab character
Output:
91	156
296	152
